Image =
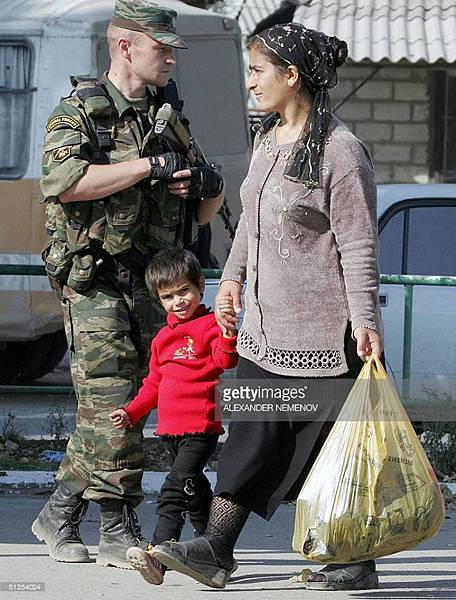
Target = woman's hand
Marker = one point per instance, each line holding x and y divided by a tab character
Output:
367	342
227	305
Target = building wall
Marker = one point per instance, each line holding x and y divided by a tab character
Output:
391	114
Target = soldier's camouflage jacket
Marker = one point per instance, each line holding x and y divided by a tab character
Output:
92	128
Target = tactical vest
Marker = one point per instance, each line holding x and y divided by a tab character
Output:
128	225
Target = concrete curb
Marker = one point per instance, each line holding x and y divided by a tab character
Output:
151	483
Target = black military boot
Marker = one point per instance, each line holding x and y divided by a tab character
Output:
58	526
120	531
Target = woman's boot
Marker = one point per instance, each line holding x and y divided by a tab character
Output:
208	559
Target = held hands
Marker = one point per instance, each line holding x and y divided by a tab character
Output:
120	419
227	306
367	342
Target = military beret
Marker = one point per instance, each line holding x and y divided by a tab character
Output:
149	18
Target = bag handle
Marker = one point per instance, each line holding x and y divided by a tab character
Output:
374	363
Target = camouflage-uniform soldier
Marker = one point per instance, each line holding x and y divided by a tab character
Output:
111	202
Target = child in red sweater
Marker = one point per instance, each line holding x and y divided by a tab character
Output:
187	358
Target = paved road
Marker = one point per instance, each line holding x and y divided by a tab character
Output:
264	555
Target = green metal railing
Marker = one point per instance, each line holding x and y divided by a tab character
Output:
39	270
39	390
408	281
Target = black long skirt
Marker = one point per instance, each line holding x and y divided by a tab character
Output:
266	461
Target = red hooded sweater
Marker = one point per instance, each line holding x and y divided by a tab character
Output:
188	356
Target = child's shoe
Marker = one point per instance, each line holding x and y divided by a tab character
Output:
150	567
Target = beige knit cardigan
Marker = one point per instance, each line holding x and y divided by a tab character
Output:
310	257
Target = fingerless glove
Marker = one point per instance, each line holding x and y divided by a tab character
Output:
173	162
205	182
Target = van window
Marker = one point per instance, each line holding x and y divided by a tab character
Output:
212	94
15	107
431	245
102	56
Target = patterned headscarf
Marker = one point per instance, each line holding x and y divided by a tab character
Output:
316	56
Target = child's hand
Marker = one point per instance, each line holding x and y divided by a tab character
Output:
225	306
120	419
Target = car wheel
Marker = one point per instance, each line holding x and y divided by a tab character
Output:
23	362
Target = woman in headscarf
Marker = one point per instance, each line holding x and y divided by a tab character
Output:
306	244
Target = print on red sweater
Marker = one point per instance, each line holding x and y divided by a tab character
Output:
186	351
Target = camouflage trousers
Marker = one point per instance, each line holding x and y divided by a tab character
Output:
109	335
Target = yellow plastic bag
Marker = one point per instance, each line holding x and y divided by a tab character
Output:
371	492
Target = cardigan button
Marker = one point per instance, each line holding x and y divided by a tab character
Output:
261	353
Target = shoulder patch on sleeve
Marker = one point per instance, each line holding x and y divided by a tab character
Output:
61	154
59	120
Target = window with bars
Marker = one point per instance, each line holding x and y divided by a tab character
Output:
15	107
443	125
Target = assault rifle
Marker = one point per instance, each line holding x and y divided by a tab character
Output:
172	126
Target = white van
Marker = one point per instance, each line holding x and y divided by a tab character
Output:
42	42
